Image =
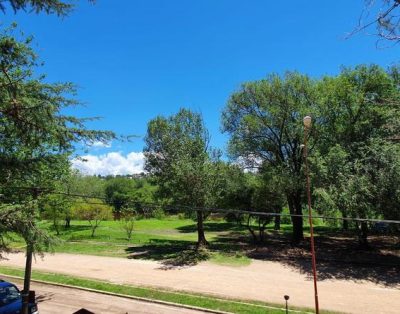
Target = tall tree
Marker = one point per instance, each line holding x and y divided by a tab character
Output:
36	137
177	154
357	144
264	120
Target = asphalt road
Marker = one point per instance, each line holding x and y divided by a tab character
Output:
52	299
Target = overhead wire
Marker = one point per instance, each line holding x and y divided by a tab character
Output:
172	207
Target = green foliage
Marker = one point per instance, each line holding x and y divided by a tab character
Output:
60	8
129	193
93	212
119	192
56	208
198	300
128	222
356	167
37	136
264	120
353	140
177	155
79	184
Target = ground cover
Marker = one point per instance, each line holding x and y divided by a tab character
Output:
199	300
171	240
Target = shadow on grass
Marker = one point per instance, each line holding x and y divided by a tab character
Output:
212	227
72	229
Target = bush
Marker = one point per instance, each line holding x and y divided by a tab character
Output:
128	222
94	213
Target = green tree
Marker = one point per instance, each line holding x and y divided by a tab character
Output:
119	193
357	151
128	222
37	137
177	155
91	186
60	8
264	120
56	208
93	211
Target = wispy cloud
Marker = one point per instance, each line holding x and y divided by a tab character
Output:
110	164
99	144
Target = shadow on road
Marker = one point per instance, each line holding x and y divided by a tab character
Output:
44	297
338	255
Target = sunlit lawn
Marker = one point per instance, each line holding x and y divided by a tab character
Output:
170	238
165	238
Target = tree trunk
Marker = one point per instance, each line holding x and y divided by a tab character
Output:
345	222
251	230
201	238
261	227
363	235
277	225
294	201
56	226
27	279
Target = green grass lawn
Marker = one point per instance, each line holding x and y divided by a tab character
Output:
192	299
156	239
170	239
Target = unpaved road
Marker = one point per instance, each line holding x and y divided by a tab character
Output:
261	280
52	299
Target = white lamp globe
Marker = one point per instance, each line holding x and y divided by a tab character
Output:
307	121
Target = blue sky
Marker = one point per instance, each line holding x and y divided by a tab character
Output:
135	59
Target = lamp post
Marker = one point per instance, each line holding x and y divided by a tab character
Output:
307	127
286	297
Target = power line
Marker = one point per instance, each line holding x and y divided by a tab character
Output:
202	209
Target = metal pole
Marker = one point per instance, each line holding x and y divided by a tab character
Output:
307	126
286	297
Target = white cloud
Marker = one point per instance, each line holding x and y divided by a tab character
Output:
110	164
100	144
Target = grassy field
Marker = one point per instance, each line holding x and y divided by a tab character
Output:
171	240
198	300
164	239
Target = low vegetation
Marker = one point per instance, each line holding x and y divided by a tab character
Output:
198	300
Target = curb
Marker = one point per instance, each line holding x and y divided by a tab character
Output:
171	304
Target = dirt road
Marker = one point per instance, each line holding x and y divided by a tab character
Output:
60	300
261	280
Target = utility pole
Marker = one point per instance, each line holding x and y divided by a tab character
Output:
307	128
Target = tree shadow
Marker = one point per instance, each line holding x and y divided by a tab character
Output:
171	253
71	230
212	227
338	254
44	297
338	257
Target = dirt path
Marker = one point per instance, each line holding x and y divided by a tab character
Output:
261	280
60	300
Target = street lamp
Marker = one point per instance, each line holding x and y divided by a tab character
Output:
307	127
286	297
